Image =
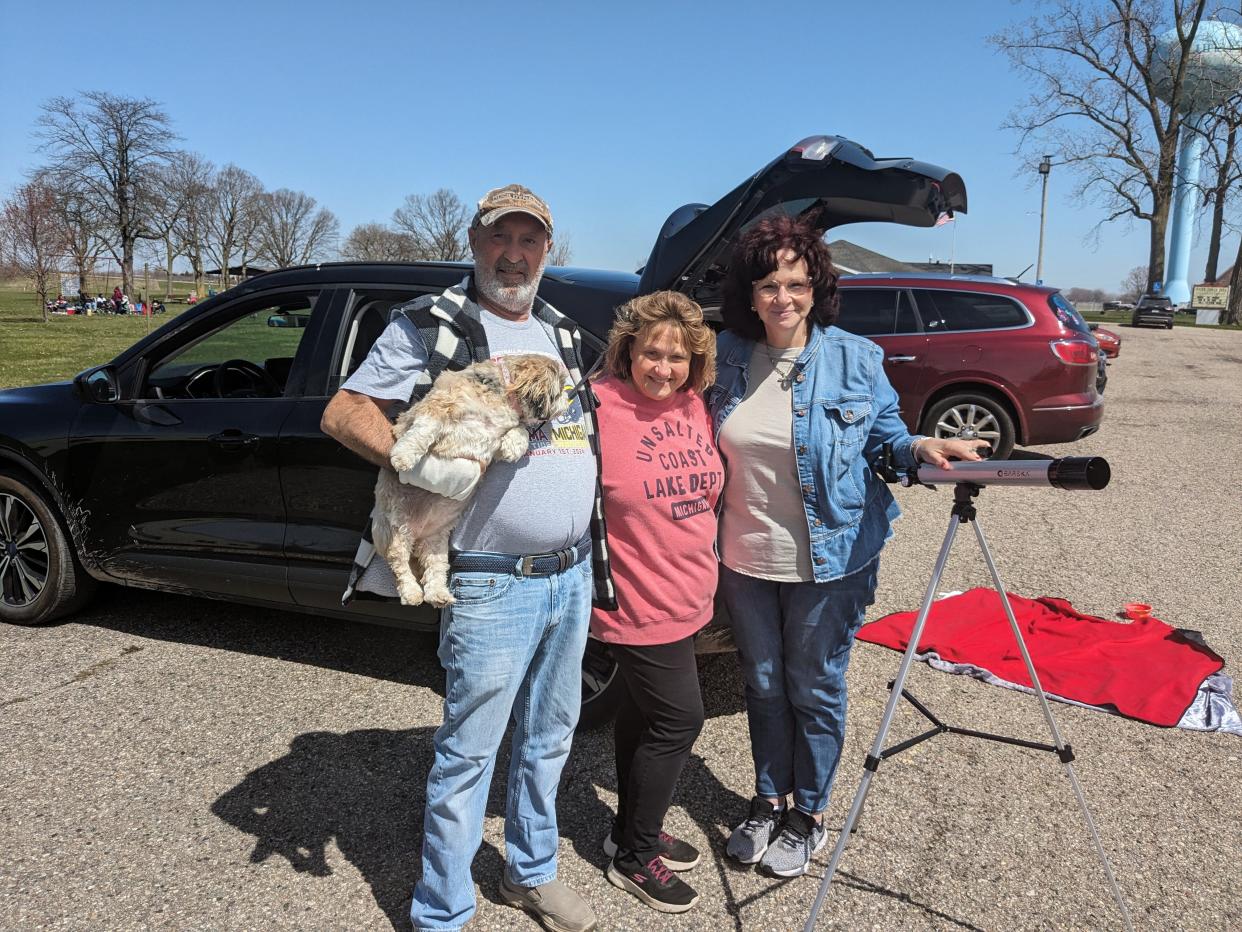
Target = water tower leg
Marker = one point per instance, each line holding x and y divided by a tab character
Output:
1185	201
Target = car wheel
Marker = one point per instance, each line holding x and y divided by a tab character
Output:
972	417
601	686
1169	325
40	579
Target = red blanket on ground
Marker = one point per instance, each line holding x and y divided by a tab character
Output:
1145	669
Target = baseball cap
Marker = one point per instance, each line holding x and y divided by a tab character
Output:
512	198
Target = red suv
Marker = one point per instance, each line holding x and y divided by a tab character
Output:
972	356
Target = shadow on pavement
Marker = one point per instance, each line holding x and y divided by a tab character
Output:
392	654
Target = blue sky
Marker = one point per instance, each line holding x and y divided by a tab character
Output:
615	113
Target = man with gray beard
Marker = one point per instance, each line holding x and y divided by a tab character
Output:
522	575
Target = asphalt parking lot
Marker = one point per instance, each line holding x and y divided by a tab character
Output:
171	763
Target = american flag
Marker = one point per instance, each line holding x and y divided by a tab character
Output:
943	219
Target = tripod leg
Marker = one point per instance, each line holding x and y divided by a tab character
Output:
1052	725
877	747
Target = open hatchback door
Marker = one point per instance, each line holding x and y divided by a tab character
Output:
828	180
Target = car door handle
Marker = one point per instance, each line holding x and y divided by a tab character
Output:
901	358
234	439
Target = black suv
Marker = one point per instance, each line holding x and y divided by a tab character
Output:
194	463
1153	309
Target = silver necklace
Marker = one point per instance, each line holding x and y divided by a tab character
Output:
785	376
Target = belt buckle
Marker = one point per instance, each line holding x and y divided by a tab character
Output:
526	566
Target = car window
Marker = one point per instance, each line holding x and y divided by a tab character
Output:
871	312
368	313
250	356
1067	313
968	310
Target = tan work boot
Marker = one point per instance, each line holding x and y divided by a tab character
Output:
556	907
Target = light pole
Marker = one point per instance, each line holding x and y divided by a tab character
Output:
1044	168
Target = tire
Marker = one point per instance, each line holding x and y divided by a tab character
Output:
40	578
601	686
969	416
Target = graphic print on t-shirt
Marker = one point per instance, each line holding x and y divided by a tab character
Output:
689	468
563	434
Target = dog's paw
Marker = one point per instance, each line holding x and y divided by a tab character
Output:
513	445
402	459
411	593
438	596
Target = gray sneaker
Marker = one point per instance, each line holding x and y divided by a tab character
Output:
751	839
790	855
554	906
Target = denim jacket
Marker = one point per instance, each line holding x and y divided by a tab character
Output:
844	411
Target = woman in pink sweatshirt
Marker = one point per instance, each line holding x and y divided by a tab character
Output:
662	476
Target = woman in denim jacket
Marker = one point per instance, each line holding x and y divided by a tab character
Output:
801	411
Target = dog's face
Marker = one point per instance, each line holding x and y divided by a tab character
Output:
537	387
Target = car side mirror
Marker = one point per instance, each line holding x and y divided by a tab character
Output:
1093	326
99	385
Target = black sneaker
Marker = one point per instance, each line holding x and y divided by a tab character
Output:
676	854
653	883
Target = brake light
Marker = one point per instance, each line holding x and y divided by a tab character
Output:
815	148
1075	352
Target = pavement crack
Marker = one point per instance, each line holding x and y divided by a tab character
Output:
94	669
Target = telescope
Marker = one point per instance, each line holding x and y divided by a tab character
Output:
1071	473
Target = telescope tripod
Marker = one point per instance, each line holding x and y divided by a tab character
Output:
963	513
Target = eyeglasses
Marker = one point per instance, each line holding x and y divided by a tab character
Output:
770	290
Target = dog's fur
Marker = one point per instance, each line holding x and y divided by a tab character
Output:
482	413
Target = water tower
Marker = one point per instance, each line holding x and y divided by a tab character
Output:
1213	75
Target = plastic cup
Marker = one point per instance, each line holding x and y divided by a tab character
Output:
1136	611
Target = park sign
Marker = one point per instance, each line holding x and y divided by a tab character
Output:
1211	296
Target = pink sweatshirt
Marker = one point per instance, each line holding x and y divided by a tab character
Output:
661	475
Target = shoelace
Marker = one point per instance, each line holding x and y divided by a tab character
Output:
658	870
667	839
793	838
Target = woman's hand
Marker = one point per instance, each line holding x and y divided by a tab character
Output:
937	451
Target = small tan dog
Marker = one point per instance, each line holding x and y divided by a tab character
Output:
481	412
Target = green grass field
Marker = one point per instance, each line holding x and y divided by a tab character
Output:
32	351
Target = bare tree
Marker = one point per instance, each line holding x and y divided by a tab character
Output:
1233	311
562	250
1134	285
195	177
81	222
438	223
32	237
109	147
290	231
1224	173
232	216
1097	71
374	242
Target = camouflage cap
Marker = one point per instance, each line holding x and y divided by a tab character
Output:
512	198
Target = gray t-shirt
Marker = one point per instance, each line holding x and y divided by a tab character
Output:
541	503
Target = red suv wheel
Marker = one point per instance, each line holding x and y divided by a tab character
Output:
971	417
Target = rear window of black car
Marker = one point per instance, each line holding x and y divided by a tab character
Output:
872	312
968	310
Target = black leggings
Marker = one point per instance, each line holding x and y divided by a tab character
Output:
660	716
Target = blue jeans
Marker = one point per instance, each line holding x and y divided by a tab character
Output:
794	641
510	646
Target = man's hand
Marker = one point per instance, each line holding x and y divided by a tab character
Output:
452	478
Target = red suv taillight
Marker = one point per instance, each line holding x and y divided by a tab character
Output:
1075	352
